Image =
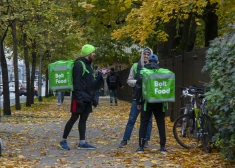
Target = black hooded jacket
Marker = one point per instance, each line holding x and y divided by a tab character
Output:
118	82
139	97
84	87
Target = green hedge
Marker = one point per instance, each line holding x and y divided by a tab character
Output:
220	62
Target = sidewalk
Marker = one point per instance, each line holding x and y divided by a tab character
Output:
33	134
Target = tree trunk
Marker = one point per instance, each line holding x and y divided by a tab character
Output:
192	35
15	61
26	59
34	57
46	90
166	49
185	35
211	23
6	94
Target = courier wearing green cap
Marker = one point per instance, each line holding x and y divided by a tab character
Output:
88	52
87	49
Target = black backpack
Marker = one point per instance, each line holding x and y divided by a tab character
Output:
113	81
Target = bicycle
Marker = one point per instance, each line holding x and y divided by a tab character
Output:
194	125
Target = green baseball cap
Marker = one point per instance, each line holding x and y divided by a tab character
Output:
87	49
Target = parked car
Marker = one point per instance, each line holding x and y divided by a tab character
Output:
23	90
12	87
35	91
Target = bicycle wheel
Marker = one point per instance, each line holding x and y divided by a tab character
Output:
184	131
206	133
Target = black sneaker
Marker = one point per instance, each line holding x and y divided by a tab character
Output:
123	143
140	150
163	150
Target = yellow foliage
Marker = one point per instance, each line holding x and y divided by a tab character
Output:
142	22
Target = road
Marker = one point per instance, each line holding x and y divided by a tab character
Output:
22	98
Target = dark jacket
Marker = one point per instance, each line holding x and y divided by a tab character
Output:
136	76
98	80
118	82
84	87
139	97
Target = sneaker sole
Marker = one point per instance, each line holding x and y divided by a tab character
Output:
164	153
79	148
63	148
140	152
122	146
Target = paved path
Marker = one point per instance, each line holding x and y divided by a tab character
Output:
35	139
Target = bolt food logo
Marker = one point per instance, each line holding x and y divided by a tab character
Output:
161	87
60	78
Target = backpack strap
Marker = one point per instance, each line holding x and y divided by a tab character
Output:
135	65
84	68
165	107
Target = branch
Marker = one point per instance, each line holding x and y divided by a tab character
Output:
4	35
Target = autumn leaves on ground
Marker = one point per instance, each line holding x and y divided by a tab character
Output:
32	135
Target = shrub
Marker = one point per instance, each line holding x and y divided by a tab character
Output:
220	62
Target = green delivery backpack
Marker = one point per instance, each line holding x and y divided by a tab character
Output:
158	85
61	75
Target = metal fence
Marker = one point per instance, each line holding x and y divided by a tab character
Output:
187	68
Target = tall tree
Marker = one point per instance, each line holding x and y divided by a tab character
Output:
211	22
6	93
26	58
4	26
98	19
146	21
15	61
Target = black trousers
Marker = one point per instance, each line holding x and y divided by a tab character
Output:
81	124
156	110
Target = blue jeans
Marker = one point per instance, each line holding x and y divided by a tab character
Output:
97	95
113	93
60	97
134	112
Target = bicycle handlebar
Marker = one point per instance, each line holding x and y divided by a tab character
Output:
191	90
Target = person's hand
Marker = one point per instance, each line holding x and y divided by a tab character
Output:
138	107
94	103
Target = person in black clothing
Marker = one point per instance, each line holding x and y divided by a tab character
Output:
134	112
152	108
83	97
99	82
113	81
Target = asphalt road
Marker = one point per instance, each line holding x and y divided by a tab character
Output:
22	98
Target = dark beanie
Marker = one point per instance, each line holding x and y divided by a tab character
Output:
153	58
